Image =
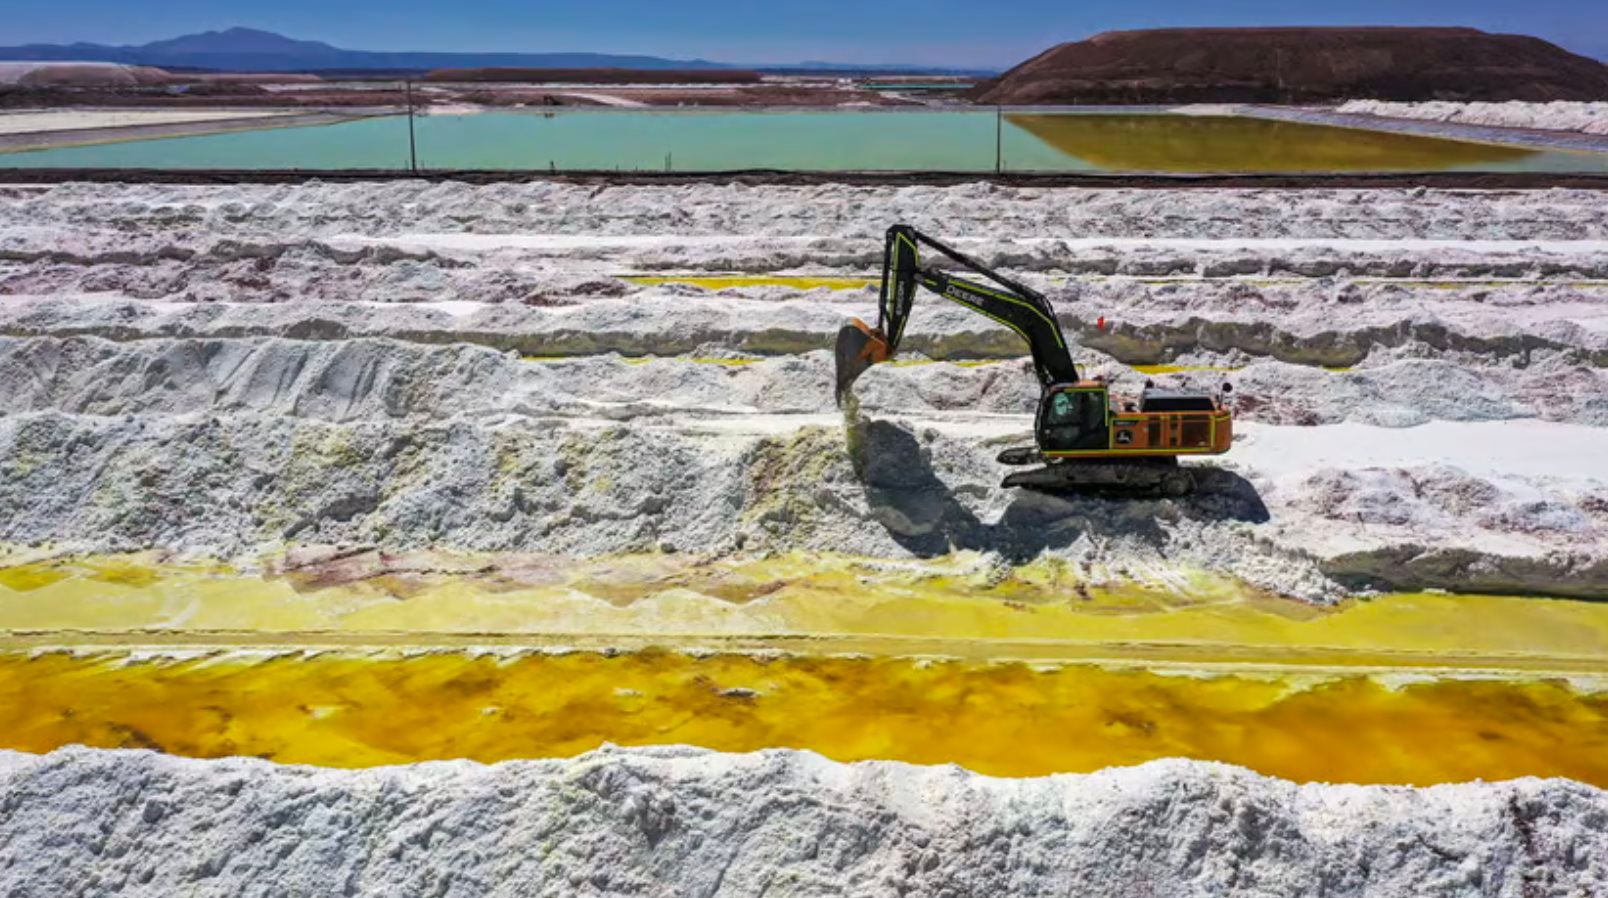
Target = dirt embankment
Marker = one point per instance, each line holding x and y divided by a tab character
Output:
1298	65
489	92
595	76
208	94
50	84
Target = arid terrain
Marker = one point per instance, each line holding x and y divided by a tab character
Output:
497	532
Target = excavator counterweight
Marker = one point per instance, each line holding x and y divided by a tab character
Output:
1084	439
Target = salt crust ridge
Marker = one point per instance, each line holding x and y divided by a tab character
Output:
683	821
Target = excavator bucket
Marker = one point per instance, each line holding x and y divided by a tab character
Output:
859	346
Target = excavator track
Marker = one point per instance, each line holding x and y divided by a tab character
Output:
1124	477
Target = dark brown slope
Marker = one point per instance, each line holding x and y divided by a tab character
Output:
1298	65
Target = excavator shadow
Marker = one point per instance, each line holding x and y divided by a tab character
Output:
924	515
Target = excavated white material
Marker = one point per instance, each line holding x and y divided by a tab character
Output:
153	214
1559	115
239	484
532	267
234	370
1498	275
357	379
1146	324
680	821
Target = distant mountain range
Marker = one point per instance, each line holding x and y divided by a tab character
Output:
251	50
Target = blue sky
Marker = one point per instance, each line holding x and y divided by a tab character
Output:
950	32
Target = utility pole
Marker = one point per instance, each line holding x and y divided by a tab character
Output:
413	146
999	126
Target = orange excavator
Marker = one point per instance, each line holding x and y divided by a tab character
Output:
1086	439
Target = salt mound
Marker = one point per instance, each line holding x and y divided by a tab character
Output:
1008	215
1561	115
363	378
681	821
79	74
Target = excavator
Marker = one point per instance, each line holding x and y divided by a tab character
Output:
1086	439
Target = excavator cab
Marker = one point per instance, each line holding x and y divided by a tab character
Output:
1074	418
1083	419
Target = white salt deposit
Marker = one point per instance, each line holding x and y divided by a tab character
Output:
37	122
1559	115
680	821
238	369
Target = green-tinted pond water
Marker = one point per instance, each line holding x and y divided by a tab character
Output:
959	140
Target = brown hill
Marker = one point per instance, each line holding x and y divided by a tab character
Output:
1298	65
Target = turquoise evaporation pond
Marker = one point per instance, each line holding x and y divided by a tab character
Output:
946	140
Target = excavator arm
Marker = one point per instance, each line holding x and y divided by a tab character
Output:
1020	308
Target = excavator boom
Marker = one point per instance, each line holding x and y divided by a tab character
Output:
1002	299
